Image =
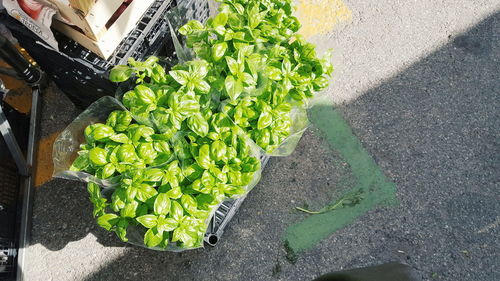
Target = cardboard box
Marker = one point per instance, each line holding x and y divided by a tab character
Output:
83	6
93	23
104	41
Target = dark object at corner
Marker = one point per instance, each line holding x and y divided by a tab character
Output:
17	150
385	272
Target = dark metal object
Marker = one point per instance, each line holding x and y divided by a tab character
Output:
13	146
36	79
23	68
8	255
386	272
27	190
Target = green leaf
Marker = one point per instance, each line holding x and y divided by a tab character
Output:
145	94
320	83
94	190
153	175
254	62
254	17
248	79
286	65
207	179
108	170
142	210
218	51
118	198
180	234
190	27
126	153
192	171
167	224
188	202
101	132
120	73
121	138
107	221
144	192
188	106
151	60
98	156
221	176
123	120
198	124
176	211
265	120
111	121
148	221
129	209
162	204
233	87
218	150
233	65
121	232
206	201
203	158
146	152
162	146
273	73
198	69
181	76
175	192
81	162
202	86
239	8
152	238
220	19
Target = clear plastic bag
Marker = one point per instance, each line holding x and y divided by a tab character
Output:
67	144
299	125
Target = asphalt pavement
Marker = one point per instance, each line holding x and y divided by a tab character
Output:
417	87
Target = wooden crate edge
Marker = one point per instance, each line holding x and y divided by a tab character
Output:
114	35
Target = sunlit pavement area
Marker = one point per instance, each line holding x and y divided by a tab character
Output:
411	119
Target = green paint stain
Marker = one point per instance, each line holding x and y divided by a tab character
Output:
376	188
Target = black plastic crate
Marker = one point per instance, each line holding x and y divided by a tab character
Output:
82	75
9	193
8	255
195	9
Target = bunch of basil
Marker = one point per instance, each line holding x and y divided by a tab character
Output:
259	62
187	139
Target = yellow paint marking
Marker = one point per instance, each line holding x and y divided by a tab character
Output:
44	164
19	95
321	16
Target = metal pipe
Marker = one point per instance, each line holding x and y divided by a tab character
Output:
24	69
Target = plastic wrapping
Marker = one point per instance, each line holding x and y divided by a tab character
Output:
299	125
67	144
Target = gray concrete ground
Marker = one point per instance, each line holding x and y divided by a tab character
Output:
421	90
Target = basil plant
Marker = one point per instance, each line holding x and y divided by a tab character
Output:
191	136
